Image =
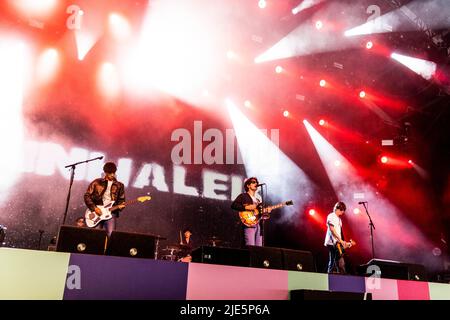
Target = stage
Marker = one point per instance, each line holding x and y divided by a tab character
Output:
43	275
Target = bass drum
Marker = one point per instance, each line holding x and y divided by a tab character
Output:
169	257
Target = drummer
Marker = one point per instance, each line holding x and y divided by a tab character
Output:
186	246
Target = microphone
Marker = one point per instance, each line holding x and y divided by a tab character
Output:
362	202
259	185
99	158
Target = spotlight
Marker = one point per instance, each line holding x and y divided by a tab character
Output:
384	159
247	104
262	4
424	68
410	162
286	113
312	212
362	94
369	45
119	25
278	69
356	211
337	163
319	25
322	83
321	122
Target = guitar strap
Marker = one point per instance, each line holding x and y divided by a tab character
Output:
342	232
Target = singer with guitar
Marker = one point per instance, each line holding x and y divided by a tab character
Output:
334	239
105	190
249	201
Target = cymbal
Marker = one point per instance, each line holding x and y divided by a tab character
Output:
175	247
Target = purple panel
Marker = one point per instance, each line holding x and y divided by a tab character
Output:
344	283
105	277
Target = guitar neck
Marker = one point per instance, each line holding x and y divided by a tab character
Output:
277	206
125	203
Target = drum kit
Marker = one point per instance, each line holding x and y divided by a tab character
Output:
174	252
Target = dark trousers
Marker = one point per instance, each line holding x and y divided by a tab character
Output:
336	263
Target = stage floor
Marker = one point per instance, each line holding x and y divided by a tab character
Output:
30	274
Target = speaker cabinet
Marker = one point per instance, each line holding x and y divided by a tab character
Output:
265	257
393	270
81	240
298	260
299	295
221	255
133	245
2	235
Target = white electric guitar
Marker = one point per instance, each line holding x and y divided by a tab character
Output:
93	219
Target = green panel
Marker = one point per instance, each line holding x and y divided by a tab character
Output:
307	280
31	275
439	291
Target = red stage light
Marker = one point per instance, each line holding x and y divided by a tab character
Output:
384	159
369	45
319	25
321	122
322	83
362	94
356	211
278	69
286	113
262	4
312	212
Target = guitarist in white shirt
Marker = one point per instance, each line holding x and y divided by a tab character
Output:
102	191
334	238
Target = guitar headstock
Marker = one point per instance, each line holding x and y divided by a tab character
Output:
144	198
289	203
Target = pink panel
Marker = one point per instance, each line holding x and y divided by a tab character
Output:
382	289
413	290
218	282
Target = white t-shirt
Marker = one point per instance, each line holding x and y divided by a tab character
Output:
107	194
333	219
256	199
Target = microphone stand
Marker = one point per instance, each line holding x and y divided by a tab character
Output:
72	176
372	227
40	238
262	216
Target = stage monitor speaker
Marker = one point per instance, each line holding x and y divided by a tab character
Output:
394	270
2	234
81	240
265	257
299	295
221	255
133	245
298	260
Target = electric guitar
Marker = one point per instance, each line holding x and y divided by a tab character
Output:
341	249
251	218
93	219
